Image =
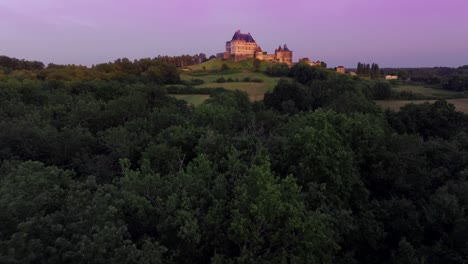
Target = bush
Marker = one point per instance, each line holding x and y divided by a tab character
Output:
191	90
379	91
278	70
221	80
224	67
257	80
195	82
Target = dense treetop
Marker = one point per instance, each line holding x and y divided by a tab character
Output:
113	170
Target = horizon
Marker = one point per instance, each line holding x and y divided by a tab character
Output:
394	34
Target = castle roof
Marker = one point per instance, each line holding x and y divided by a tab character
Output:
285	48
239	36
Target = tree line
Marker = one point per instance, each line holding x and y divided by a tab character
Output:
161	69
371	71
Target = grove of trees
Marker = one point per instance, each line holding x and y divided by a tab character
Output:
371	71
113	170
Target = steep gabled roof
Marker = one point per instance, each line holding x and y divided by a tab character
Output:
239	36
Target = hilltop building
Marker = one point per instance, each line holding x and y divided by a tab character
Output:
340	69
243	46
391	77
311	63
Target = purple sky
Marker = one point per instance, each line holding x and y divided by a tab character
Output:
340	32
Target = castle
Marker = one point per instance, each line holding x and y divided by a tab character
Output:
243	46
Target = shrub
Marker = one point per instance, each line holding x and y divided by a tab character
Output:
196	82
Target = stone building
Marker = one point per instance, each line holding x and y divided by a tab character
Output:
391	77
243	46
310	63
340	69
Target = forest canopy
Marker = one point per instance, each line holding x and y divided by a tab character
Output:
100	165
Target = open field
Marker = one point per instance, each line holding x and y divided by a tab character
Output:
195	99
255	90
427	91
210	71
460	104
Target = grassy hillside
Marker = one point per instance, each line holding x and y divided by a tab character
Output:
255	90
215	65
210	72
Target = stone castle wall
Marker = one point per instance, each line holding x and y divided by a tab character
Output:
242	46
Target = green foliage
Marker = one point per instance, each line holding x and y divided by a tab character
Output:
429	120
372	71
100	165
278	70
256	65
340	94
379	91
305	74
224	67
191	90
457	83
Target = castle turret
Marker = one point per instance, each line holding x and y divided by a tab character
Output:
241	47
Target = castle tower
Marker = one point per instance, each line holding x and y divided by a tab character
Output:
287	55
283	55
241	47
259	53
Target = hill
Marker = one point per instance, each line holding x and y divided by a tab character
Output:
214	65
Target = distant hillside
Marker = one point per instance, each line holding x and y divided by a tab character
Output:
216	64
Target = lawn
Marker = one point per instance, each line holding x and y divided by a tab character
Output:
460	104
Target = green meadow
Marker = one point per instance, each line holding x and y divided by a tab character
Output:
239	76
460	104
456	98
426	91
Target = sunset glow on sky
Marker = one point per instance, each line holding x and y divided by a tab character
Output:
406	33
